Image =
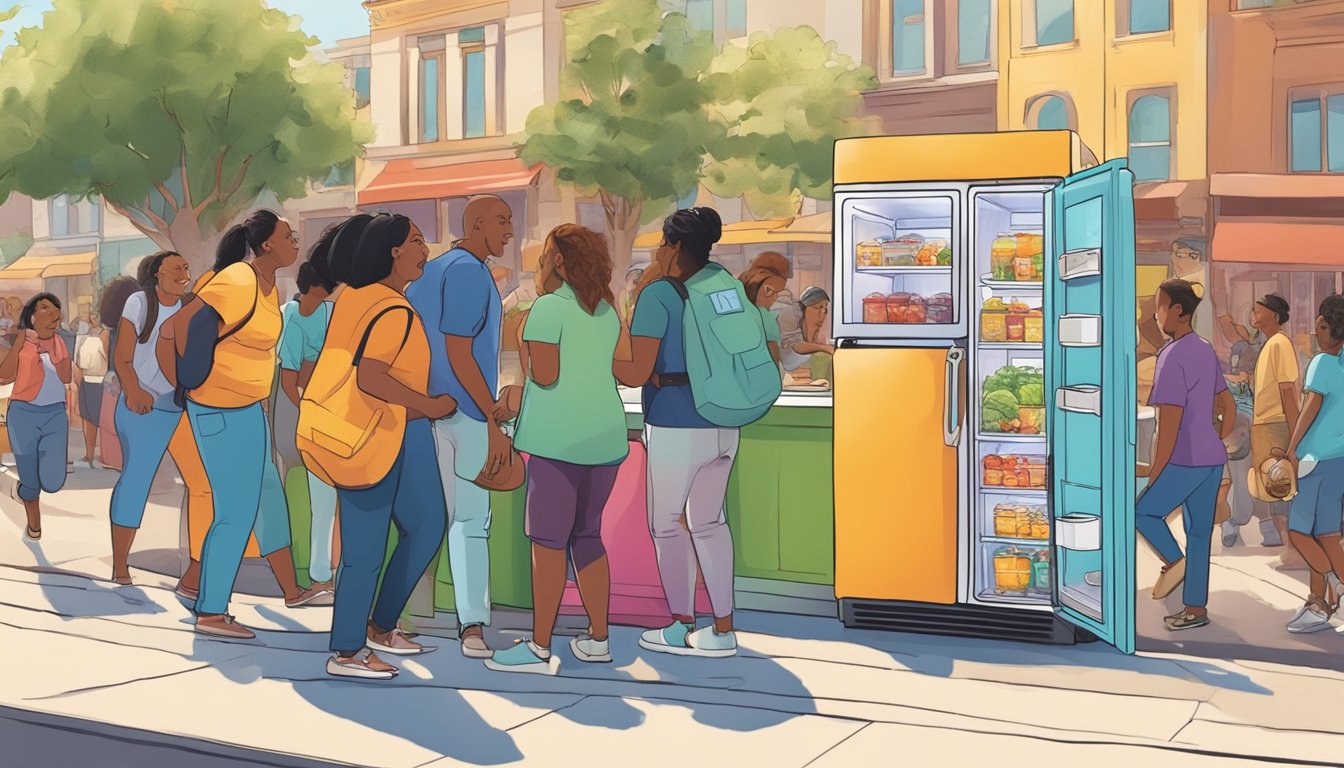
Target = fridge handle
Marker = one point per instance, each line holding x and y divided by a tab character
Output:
952	419
1132	396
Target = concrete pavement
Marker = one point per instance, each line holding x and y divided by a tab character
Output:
125	664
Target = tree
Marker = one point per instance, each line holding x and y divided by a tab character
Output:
179	113
785	99
633	127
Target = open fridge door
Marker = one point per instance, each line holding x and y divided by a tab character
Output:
1091	394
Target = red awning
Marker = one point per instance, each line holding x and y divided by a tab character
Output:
1276	242
433	178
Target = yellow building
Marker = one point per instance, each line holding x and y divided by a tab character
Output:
1130	76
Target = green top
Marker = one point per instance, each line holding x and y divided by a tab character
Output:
580	418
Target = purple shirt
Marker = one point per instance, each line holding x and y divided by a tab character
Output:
1189	376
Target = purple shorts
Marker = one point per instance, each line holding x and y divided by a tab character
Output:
564	505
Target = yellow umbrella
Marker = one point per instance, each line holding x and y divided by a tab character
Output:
741	233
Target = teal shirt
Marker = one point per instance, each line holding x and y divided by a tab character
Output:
579	419
301	338
1325	439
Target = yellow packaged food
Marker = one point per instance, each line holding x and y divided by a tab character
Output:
993	325
868	254
1034	328
1012	571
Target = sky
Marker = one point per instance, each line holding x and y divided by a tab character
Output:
327	20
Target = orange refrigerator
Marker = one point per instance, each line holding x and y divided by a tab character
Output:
946	380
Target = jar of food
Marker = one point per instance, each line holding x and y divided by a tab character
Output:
1029	244
1024	269
1034	327
898	308
1016	327
1036	474
868	254
939	309
1001	254
1040	571
916	310
900	252
1012	571
875	308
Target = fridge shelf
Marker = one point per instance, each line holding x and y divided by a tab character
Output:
1084	598
1082	398
908	270
1010	346
1008	437
1080	330
1014	542
1012	285
1003	490
1074	265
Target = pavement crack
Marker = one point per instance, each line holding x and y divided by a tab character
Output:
837	744
90	689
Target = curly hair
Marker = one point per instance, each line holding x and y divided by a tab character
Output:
1332	312
587	264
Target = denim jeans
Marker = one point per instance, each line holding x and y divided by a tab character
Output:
462	447
235	447
40	437
144	440
409	497
322	504
1195	488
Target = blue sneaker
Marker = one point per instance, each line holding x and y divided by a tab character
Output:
669	639
526	657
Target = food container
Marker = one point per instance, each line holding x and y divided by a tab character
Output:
875	308
1015	330
1012	571
1002	252
939	309
916	310
927	256
901	251
898	308
1033	327
1040	527
868	254
1029	244
1036	474
1024	269
1033	420
1079	532
1040	571
994	325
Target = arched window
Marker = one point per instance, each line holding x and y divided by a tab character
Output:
1052	112
1150	138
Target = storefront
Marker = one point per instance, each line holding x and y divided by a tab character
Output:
70	276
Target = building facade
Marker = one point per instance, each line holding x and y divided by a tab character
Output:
1276	156
1130	76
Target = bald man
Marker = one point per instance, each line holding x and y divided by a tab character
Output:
459	303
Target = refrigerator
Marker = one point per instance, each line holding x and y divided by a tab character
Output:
984	387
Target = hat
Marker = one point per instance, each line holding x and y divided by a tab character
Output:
813	295
1272	481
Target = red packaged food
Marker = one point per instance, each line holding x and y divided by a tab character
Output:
897	308
875	308
939	309
916	311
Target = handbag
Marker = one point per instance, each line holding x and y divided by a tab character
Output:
346	437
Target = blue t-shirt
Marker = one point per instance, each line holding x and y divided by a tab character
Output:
658	315
1325	439
301	337
457	296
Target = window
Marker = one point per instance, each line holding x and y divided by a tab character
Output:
362	89
1316	132
1054	22
472	44
1150	138
701	14
1147	16
71	218
1050	113
431	88
737	18
973	31
342	175
908	25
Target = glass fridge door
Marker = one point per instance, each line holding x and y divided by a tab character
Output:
900	271
1091	400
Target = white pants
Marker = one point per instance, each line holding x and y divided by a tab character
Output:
688	471
462	446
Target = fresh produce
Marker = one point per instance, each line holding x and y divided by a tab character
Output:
1011	378
1031	394
945	257
999	408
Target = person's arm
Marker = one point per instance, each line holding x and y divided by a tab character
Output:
374	377
647	328
9	367
1226	410
1288	396
544	362
809	348
774	351
1168	426
1311	408
289	384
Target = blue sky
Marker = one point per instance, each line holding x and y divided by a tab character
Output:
328	20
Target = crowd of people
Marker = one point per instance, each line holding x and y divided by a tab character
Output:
1289	445
391	360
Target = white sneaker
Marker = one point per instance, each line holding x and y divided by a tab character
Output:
587	649
706	642
1308	620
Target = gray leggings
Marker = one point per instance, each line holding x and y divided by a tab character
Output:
40	435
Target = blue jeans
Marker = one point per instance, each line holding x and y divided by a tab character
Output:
412	498
322	504
462	447
144	440
235	446
40	436
1195	488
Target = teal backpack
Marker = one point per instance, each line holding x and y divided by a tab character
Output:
734	379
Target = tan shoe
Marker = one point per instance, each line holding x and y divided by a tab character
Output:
395	642
363	665
1172	577
223	625
313	597
473	643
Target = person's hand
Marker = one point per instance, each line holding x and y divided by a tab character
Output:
506	408
30	337
498	454
1143	470
829	350
138	400
440	407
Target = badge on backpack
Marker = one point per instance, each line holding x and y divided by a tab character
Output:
726	302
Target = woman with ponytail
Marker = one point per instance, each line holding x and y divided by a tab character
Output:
305	330
228	420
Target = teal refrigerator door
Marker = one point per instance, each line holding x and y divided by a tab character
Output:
1091	390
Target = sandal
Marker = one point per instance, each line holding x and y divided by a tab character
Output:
1187	620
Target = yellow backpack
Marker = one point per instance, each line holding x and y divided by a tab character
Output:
346	437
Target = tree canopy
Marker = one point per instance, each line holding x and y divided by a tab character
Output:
179	113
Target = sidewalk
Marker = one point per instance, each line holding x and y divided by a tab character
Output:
802	692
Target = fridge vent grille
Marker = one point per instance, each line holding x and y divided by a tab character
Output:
957	620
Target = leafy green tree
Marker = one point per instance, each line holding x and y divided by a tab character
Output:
784	98
179	113
632	125
13	248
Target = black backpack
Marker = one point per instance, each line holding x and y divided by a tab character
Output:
203	336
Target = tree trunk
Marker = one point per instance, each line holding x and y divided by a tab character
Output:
187	239
622	228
